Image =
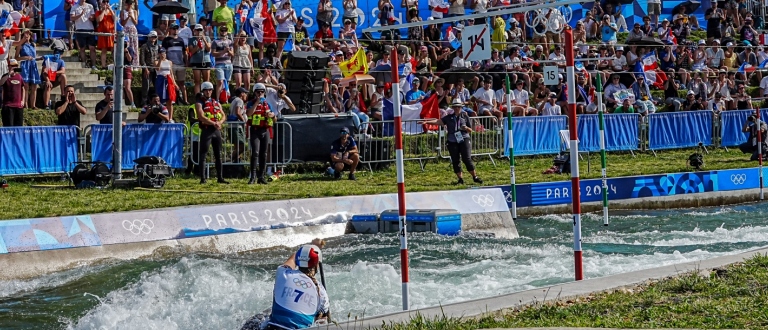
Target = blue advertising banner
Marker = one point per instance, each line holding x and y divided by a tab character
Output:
679	129
554	193
732	123
37	149
535	135
620	132
163	140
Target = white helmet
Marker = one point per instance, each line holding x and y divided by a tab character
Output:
206	85
259	87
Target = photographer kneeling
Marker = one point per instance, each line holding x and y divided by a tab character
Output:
154	112
751	127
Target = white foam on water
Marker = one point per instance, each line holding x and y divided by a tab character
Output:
190	294
696	236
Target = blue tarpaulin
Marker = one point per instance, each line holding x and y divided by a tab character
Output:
37	149
732	123
620	132
162	140
535	135
679	129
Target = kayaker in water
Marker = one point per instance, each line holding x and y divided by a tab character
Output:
299	300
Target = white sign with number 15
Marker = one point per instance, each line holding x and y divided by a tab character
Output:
550	75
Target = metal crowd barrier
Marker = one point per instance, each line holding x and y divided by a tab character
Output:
486	137
419	144
236	149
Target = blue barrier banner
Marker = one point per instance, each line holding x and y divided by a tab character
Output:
37	149
162	140
679	129
535	135
620	132
554	193
731	124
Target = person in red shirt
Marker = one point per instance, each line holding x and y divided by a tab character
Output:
324	39
14	93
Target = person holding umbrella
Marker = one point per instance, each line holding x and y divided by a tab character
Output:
459	144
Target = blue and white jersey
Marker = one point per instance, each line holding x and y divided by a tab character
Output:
296	300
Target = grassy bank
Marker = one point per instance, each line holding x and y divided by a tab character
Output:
25	201
731	297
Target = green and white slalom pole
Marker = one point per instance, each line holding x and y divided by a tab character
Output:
512	183
603	160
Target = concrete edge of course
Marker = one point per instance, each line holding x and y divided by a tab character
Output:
562	291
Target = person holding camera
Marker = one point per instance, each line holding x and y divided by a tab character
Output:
344	151
154	112
105	107
69	108
211	118
459	144
751	127
261	120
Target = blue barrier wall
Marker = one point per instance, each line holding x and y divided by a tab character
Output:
556	193
731	125
620	132
679	129
535	135
163	140
37	150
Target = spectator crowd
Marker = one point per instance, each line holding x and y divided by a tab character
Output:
237	48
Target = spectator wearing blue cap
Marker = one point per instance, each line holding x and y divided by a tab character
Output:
344	153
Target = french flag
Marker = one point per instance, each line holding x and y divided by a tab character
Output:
649	68
672	37
451	37
763	64
426	109
747	68
580	67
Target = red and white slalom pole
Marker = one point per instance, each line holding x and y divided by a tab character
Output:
574	146
400	178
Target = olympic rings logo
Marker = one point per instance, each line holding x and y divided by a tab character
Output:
553	19
302	283
738	179
483	200
139	226
508	196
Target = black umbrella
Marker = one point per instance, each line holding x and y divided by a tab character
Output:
690	7
453	75
170	7
382	73
646	41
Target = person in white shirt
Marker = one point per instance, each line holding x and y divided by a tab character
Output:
459	62
520	102
501	100
550	108
82	14
715	55
558	56
619	63
716	104
185	33
485	99
764	86
286	22
761	55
